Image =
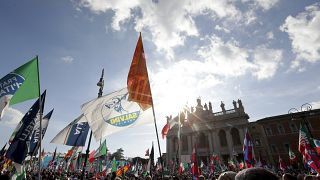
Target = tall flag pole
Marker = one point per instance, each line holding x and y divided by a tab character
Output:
100	84
139	86
40	119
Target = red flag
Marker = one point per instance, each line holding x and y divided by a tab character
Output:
282	165
194	161
138	80
69	153
165	130
91	156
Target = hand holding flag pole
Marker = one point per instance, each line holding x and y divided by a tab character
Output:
100	84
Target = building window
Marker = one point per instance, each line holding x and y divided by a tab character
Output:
268	131
286	147
293	127
222	138
184	140
257	142
235	136
203	140
274	148
280	129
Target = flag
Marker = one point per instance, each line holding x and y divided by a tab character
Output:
54	155
151	157
147	152
181	168
20	85
248	150
282	165
307	149
113	113
292	156
194	164
34	142
18	149
75	134
138	80
91	156
3	150
102	150
165	130
114	165
317	145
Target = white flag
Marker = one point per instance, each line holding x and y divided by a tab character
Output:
113	113
75	134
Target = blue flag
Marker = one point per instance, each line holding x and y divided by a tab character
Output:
19	148
34	142
75	134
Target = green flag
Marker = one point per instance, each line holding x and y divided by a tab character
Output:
114	165
20	85
102	150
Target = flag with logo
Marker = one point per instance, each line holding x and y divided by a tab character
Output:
307	149
19	146
75	134
128	107
34	142
170	123
20	85
248	150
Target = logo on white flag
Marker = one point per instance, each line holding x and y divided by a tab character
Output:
118	111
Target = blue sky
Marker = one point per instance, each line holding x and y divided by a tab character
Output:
265	52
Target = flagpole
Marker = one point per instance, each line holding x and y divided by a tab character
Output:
100	84
40	118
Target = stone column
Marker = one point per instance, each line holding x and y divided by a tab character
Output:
210	142
241	134
216	142
189	144
229	141
168	149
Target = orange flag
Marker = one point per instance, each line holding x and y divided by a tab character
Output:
138	80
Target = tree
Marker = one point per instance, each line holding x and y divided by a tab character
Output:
118	154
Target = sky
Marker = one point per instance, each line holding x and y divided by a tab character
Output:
264	52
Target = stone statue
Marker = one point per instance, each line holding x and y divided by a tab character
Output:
210	107
240	105
234	104
222	107
205	107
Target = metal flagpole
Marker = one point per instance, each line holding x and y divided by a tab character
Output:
40	118
100	84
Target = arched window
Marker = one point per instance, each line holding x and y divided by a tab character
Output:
235	136
223	138
203	140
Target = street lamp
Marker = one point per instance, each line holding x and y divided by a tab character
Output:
302	114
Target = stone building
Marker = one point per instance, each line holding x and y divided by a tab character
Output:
273	136
219	133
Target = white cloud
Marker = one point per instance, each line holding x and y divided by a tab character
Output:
266	62
169	22
315	105
270	35
11	117
67	59
303	30
219	28
264	4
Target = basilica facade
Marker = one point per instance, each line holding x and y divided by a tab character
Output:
220	133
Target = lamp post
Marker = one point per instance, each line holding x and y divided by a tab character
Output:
303	113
